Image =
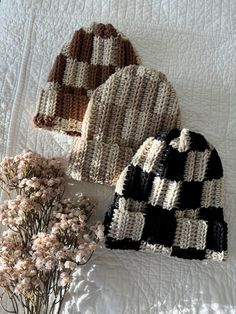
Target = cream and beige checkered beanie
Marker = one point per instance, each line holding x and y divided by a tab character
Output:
133	104
93	54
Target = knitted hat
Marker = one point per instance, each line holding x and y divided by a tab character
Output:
133	104
169	199
82	65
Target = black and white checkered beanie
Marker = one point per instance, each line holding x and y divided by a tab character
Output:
169	199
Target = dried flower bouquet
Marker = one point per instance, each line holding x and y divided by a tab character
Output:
47	237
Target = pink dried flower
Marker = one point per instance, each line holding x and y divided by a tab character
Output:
65	279
79	256
92	246
100	232
70	265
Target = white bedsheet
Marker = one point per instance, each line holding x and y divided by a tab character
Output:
194	44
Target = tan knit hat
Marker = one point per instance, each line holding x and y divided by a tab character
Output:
82	65
133	104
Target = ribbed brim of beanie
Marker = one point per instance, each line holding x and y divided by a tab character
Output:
170	198
133	104
82	65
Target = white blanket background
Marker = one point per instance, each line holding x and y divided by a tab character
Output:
194	44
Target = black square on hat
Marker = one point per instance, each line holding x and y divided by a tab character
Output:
190	195
198	142
190	253
138	184
217	236
214	167
160	226
174	165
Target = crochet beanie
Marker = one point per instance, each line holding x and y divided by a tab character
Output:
82	65
133	104
169	199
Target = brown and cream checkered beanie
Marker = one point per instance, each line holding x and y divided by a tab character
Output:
133	104
82	65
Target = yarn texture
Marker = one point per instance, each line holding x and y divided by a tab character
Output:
169	199
133	104
93	54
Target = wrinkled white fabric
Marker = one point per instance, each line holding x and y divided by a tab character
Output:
194	44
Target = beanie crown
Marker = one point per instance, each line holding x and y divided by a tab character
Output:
131	96
170	199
